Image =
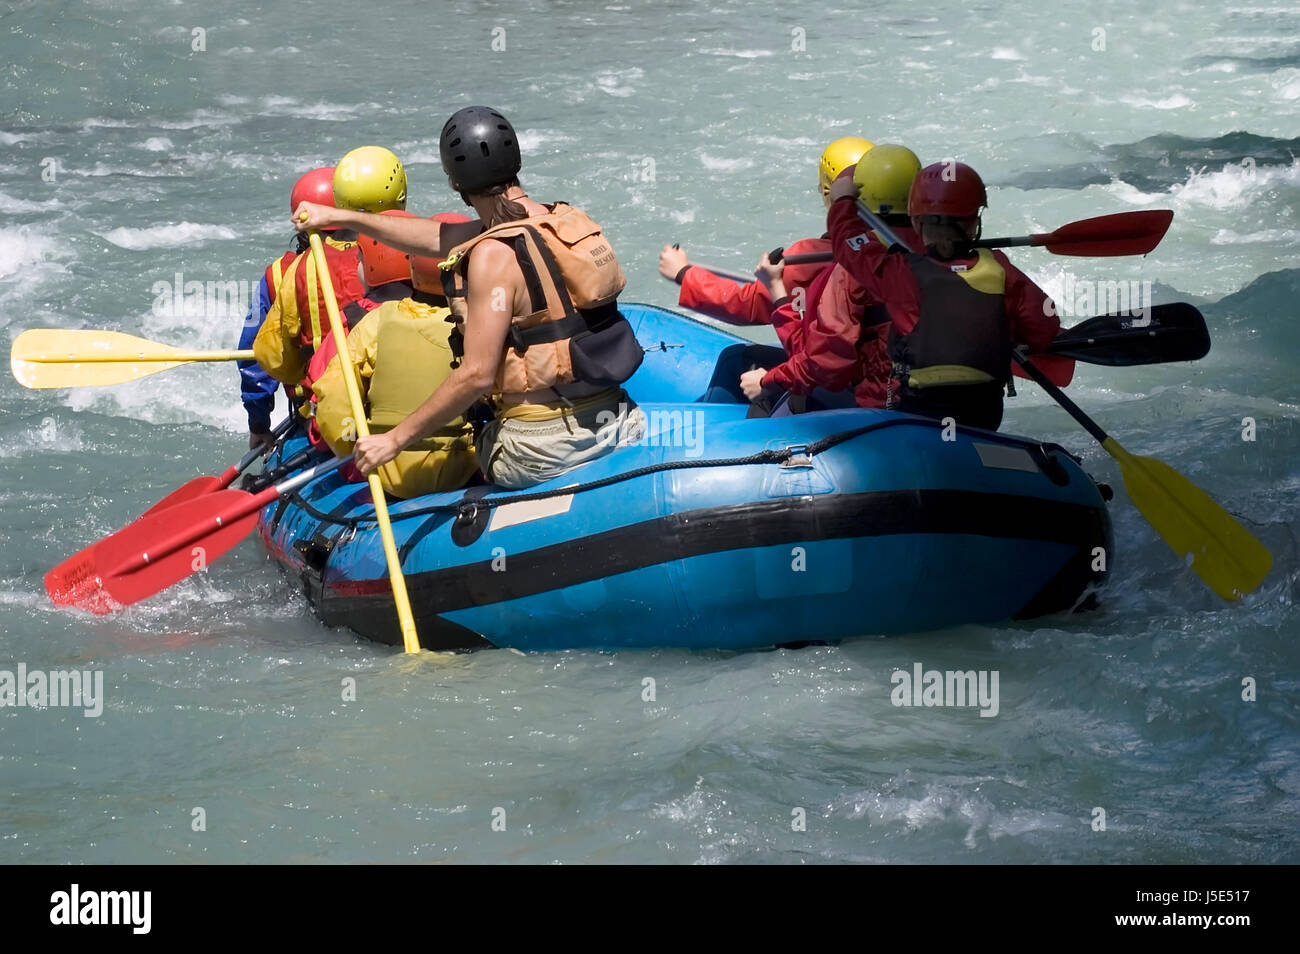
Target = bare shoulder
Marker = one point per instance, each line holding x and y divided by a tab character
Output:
491	257
454	233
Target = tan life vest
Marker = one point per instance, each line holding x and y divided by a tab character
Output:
402	355
573	340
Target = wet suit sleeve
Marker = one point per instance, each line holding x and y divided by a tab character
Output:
257	388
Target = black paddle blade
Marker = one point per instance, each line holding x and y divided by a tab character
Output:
1165	333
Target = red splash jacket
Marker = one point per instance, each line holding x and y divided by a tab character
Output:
889	279
842	339
749	304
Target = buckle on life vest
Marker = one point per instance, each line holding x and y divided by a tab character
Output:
448	263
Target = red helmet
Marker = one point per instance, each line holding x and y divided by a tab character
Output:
382	264
316	186
953	189
425	274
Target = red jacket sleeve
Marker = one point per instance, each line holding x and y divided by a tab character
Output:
1034	322
724	299
828	356
1031	312
884	276
747	304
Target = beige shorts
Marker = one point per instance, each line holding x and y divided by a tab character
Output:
516	453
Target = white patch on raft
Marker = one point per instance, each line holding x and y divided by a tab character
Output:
1002	457
511	514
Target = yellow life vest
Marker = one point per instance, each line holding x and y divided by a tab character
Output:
402	355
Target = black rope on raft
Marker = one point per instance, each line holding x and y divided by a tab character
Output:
469	505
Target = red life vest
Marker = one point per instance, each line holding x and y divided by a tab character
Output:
314	324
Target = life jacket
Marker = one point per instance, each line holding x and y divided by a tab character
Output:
574	340
341	260
275	273
962	335
352	314
401	353
297	319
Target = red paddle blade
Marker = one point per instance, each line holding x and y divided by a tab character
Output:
195	488
1124	233
156	551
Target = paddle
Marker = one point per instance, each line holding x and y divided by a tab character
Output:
1121	233
59	358
205	485
164	547
740	277
1173	332
410	639
1219	550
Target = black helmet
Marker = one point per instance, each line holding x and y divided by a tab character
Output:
479	149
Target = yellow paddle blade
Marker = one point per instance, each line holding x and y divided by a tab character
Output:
59	358
1223	553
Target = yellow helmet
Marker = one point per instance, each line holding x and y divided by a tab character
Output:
884	177
370	179
837	157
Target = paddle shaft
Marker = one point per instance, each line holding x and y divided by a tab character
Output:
1060	397
726	273
195	532
230	473
166	357
402	601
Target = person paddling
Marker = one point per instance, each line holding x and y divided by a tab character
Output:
401	352
372	179
535	290
955	313
257	387
751	303
841	347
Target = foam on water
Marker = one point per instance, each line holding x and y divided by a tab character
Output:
23	246
169	236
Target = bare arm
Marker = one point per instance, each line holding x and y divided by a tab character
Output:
414	235
485	339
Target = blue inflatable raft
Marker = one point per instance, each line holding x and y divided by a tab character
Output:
717	531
